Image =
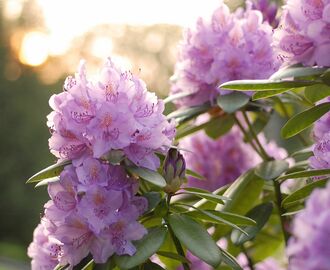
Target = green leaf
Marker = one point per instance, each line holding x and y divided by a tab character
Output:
270	93
148	175
151	266
304	174
177	96
153	198
206	195
230	260
260	214
270	170
194	174
219	126
262	85
297	72
173	256
186	114
47	181
196	238
232	102
115	156
303	120
61	267
145	248
303	192
49	172
89	266
317	92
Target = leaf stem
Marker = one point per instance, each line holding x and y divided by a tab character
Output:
176	241
280	209
250	262
255	137
247	136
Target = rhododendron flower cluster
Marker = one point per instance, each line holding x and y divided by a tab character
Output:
94	207
221	161
321	149
227	46
115	112
304	33
268	10
309	246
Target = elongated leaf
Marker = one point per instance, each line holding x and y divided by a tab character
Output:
303	120
232	102
151	266
148	175
270	93
230	260
61	267
219	126
49	172
304	174
297	72
317	92
173	256
145	248
196	238
194	174
262	85
47	181
260	214
234	218
89	266
176	96
206	195
186	114
270	170
303	192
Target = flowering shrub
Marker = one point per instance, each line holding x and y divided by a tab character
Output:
212	185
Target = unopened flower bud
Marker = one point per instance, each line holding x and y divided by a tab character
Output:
174	170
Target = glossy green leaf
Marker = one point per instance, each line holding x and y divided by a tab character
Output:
270	93
230	260
177	96
89	266
148	175
260	214
151	266
304	174
145	248
297	72
243	193
232	102
270	170
262	85
303	120
49	172
186	114
205	194
196	238
153	199
61	267
303	192
173	256
317	92
115	156
219	126
47	181
194	174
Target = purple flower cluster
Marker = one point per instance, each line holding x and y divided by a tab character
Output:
93	209
309	247
304	33
115	112
267	264
221	161
321	148
227	46
268	10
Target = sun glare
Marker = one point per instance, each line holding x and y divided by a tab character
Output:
34	49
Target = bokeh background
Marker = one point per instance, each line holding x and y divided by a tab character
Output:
41	42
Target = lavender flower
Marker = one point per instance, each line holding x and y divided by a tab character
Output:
321	148
267	264
309	246
227	46
304	33
268	10
93	209
221	161
115	112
